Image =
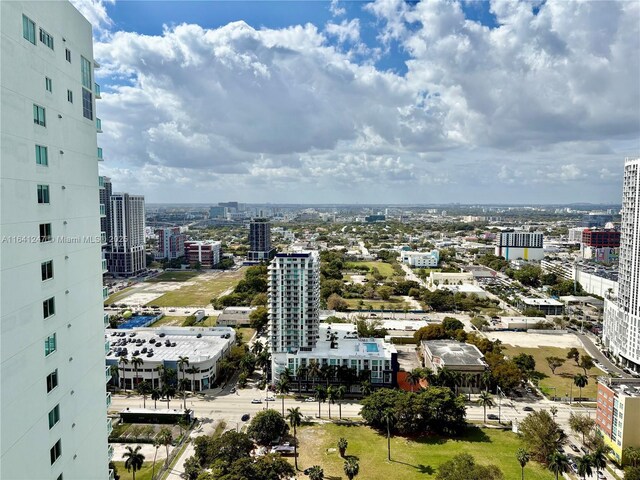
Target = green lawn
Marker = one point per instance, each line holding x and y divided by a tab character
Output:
246	333
178	320
563	378
175	276
200	293
116	297
394	303
144	474
385	269
411	459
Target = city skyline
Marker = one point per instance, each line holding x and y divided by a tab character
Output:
538	101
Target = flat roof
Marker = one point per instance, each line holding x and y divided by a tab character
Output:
183	341
542	301
452	352
348	343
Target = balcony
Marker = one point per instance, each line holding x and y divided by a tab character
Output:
107	347
103	238
104	266
108	399
98	125
112	475
97	90
105	319
109	430
100	159
101	181
107	373
105	293
110	447
103	210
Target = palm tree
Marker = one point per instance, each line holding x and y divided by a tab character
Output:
340	393
580	380
183	362
165	438
115	374
523	458
143	388
558	463
282	387
300	372
156	445
134	459
184	383
257	348
295	419
136	362
321	396
313	371
342	446
161	373
599	458
156	394
554	411
331	397
414	377
351	467
486	400
584	465
631	456
286	374
316	473
389	418
366	388
168	392
123	361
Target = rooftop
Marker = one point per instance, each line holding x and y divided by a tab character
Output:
348	344
541	301
628	387
452	352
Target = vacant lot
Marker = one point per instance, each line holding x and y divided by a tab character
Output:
116	297
178	321
385	269
175	276
563	378
198	291
411	459
144	473
394	303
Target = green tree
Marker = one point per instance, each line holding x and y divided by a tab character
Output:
389	418
385	292
523	458
584	465
321	396
313	371
525	362
282	387
451	324
192	468
342	446
631	456
340	393
554	362
541	435
414	377
295	419
464	467
586	363
124	362
259	318
580	381
573	354
486	400
558	463
136	362
631	473
133	459
165	437
156	446
267	426
351	468
599	458
316	473
144	388
581	424
182	363
156	394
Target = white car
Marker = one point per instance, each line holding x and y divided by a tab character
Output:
256	400
270	399
309	399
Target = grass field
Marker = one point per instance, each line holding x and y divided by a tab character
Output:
177	320
115	297
144	474
410	459
200	292
385	269
563	378
246	333
394	303
175	276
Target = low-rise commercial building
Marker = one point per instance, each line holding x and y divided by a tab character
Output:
420	259
207	253
448	278
548	306
204	346
235	316
618	413
455	356
170	243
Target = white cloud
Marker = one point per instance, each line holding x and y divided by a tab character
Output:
335	8
96	12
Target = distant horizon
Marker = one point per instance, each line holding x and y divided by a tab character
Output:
392	205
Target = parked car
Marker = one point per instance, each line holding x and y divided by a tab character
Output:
270	399
493	416
309	399
245	417
574	448
233	390
256	400
528	409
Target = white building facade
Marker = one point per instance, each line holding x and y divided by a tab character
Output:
420	259
621	330
520	245
126	253
53	392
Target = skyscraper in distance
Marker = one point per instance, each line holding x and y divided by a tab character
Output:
53	399
621	331
126	247
260	241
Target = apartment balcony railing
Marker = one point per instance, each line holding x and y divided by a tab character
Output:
105	293
107	347
100	181
107	374
110	447
108	399
112	475
98	125
100	158
103	210
96	90
105	319
103	238
104	266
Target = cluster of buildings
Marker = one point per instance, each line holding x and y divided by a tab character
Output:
420	259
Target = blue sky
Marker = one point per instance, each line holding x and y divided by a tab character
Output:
381	101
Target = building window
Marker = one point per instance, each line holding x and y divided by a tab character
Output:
47	270
39	115
28	29
48	308
55	452
41	155
54	416
45	232
52	380
43	193
48	84
87	104
69	96
49	348
59	477
67	54
85	67
46	39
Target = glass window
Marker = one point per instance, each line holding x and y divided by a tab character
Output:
67	54
48	307
42	157
28	29
54	416
47	270
43	193
49	348
69	96
55	452
46	39
45	232
39	115
87	104
85	67
52	380
48	84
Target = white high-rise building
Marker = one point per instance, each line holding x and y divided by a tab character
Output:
126	251
294	304
621	331
53	397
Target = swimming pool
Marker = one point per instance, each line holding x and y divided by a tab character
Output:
371	347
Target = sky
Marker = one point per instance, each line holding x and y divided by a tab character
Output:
367	102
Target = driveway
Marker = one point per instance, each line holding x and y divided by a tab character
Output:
592	350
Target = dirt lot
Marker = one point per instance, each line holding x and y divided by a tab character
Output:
533	340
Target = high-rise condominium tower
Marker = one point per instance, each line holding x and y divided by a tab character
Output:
260	240
125	254
53	399
621	331
294	302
